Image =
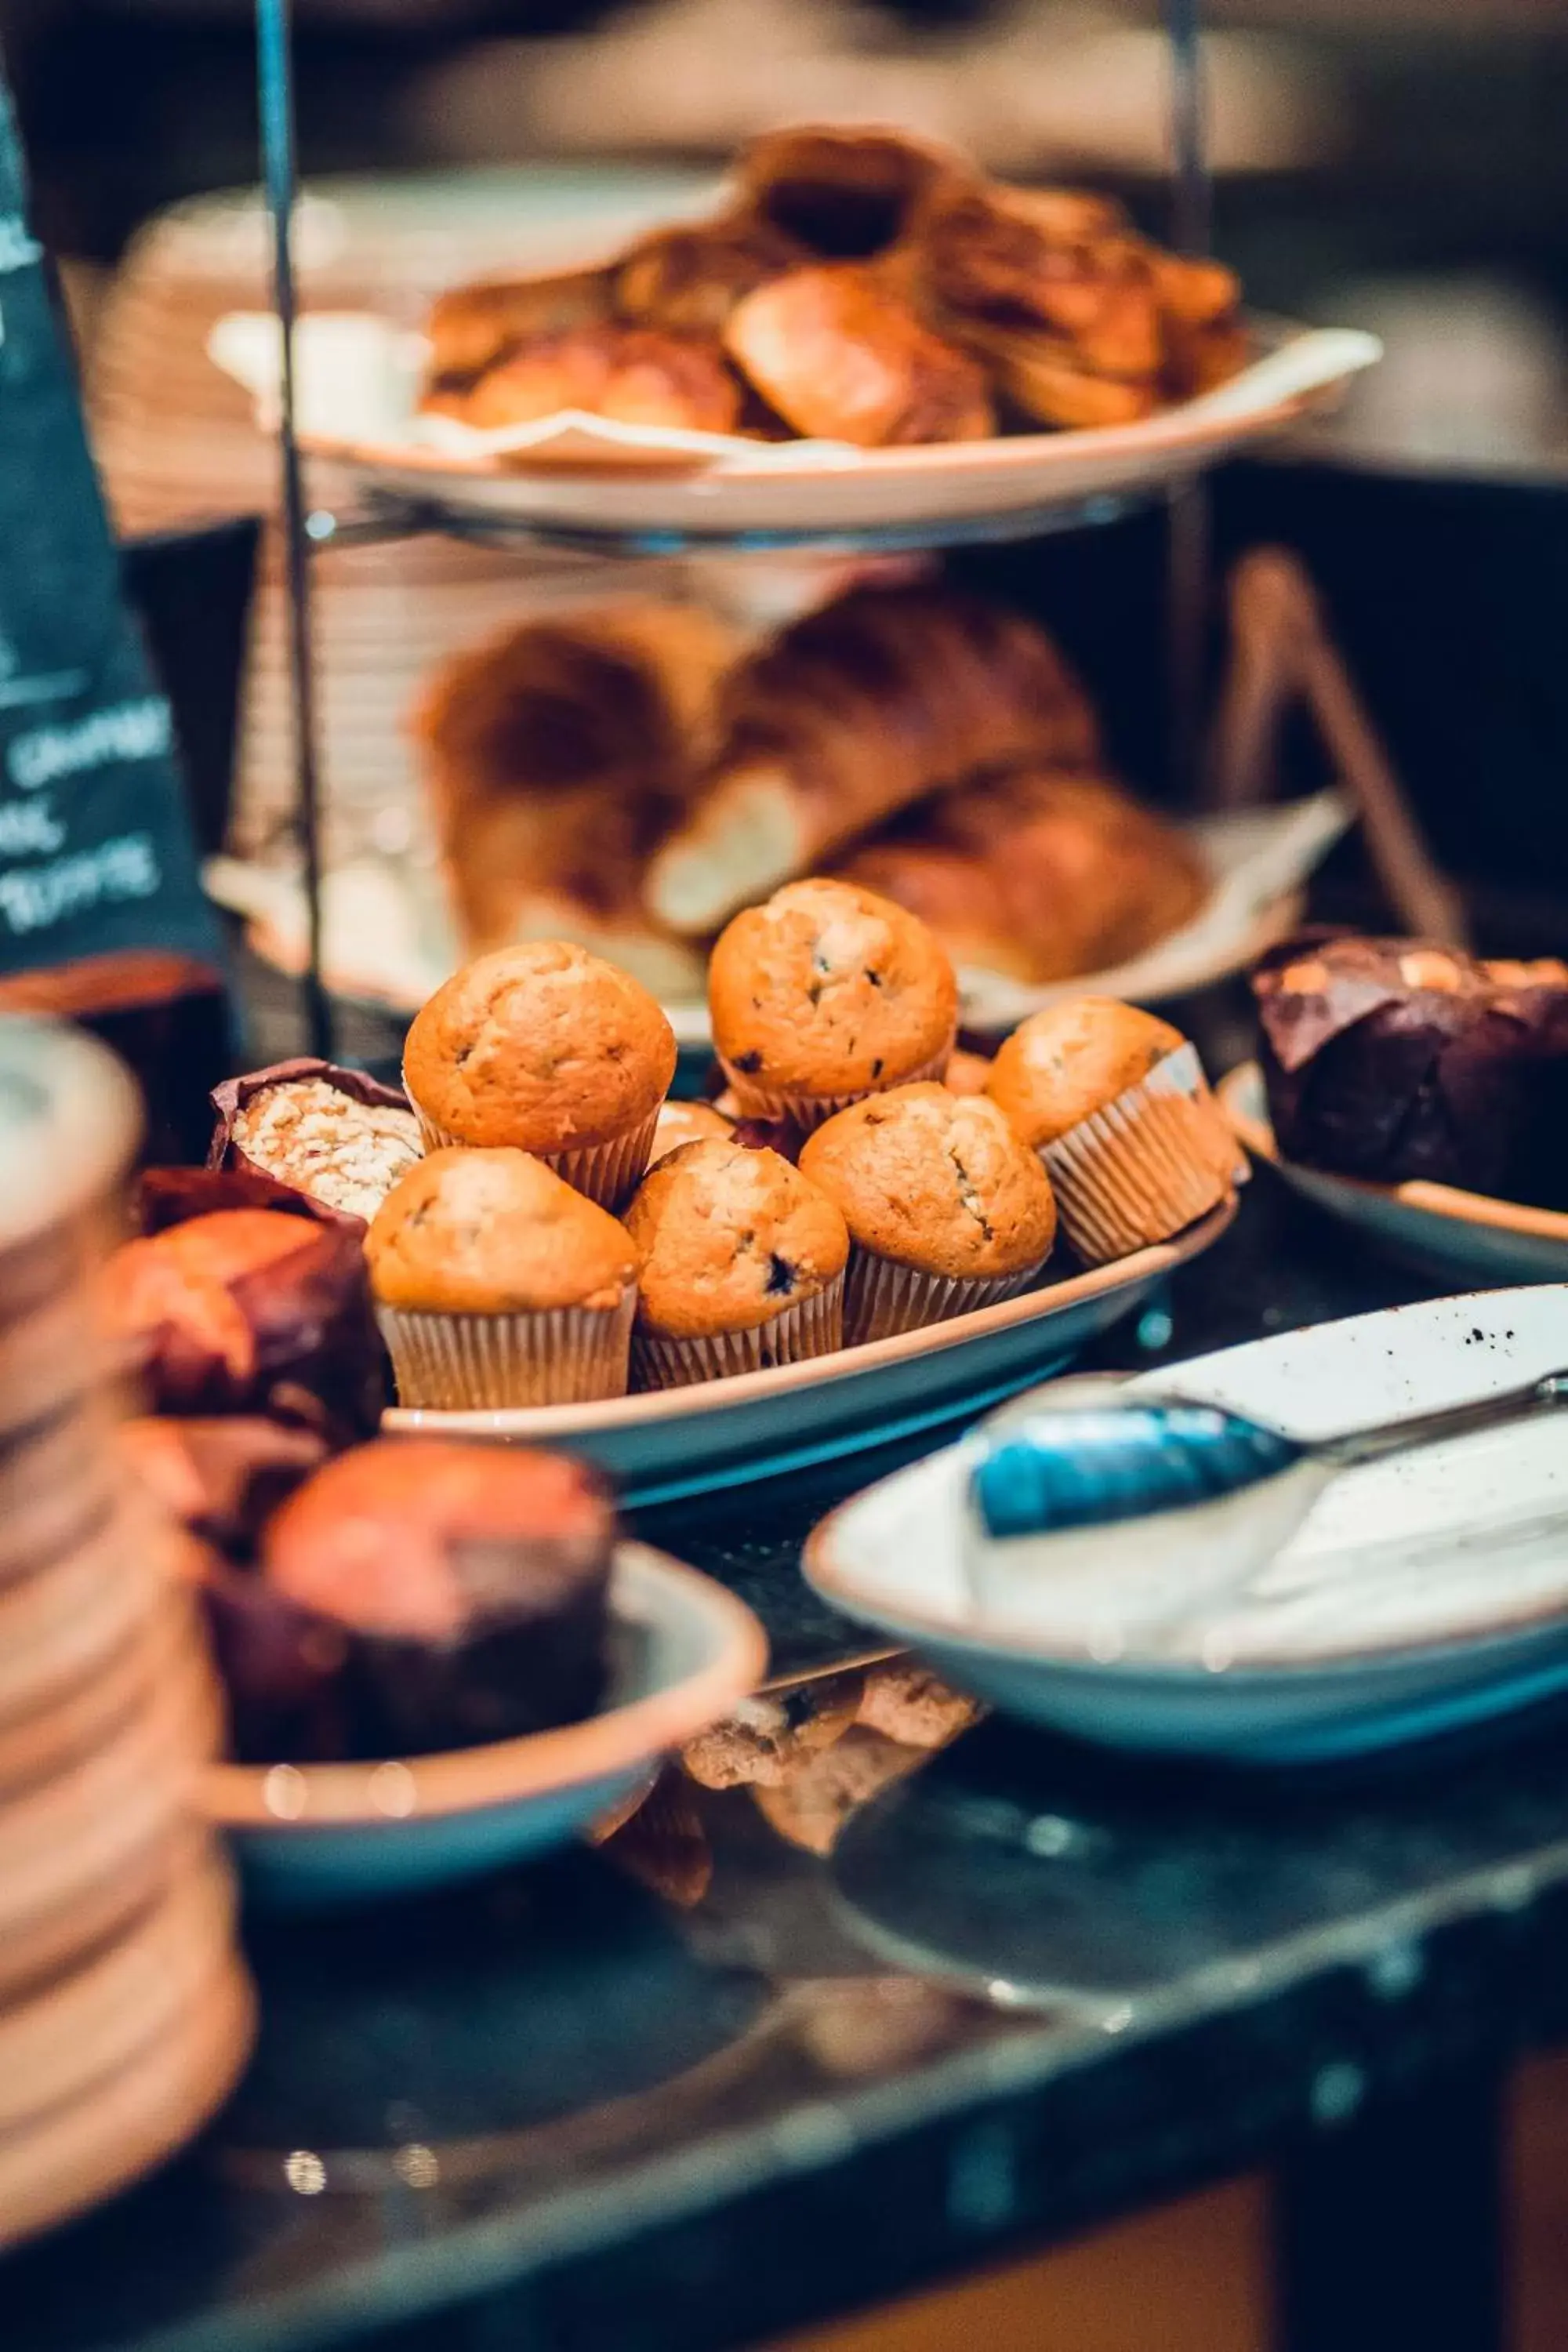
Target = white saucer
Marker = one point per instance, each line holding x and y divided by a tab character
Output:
1421	1594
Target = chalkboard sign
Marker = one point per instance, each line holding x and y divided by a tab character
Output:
96	849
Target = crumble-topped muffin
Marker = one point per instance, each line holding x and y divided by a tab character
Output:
332	1134
826	993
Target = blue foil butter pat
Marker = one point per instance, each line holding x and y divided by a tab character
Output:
1098	1467
1098	1524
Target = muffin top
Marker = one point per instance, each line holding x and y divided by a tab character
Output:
428	1540
729	1238
935	1180
830	990
685	1122
544	1046
494	1233
1065	1063
966	1072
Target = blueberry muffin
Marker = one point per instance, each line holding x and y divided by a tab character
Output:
824	995
741	1265
948	1209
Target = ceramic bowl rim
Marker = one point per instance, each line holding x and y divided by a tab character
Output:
1369	1655
395	1793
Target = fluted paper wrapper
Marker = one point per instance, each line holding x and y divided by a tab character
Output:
461	1363
813	1327
1149	1164
608	1173
882	1297
809	1111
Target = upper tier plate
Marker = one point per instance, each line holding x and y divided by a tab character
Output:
357	380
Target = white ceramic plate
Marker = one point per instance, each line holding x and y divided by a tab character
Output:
377	950
686	1653
1421	1594
1434	1227
670	1442
357	389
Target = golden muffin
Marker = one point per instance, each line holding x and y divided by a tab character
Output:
966	1073
496	1284
1068	1061
741	1265
685	1122
948	1209
548	1049
1117	1105
824	994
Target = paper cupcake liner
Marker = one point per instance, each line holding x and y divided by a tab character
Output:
1149	1163
608	1173
556	1355
882	1297
813	1327
809	1111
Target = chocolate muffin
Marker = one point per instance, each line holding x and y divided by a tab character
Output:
469	1584
1397	1061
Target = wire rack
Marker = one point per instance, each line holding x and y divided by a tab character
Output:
383	518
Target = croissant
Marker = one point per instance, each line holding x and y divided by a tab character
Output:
634	374
555	757
845	195
841	358
849	715
1042	874
688	280
1014	254
471	327
1045	378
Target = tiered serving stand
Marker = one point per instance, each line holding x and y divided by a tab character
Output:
384	513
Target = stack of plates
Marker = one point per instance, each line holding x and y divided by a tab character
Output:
175	441
124	2013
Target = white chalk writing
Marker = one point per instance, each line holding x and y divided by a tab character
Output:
29	829
31	899
17	249
130	730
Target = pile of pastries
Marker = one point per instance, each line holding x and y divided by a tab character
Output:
630	777
532	1221
540	1224
856	285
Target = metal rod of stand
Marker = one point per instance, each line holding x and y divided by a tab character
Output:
1187	561
275	84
